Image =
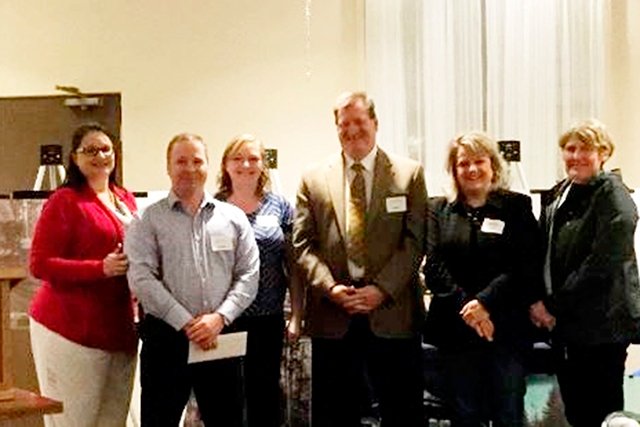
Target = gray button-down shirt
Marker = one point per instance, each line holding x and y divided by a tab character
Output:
181	266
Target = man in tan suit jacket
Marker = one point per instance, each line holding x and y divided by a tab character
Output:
362	315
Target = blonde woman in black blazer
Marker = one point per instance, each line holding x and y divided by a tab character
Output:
483	268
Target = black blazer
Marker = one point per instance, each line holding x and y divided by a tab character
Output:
492	254
594	273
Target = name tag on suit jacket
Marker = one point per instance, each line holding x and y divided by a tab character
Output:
396	204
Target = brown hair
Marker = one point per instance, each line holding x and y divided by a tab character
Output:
350	98
225	186
185	137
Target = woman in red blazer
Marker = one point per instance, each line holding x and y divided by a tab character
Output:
82	329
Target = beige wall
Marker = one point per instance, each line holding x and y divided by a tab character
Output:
222	67
214	67
622	105
622	86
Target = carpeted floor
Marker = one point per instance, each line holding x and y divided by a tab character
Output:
543	404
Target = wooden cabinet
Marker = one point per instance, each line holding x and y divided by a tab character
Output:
15	403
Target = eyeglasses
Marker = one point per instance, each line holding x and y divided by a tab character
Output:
92	151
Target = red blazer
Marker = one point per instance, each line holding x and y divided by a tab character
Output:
74	233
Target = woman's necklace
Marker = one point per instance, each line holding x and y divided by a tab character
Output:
475	215
117	205
112	199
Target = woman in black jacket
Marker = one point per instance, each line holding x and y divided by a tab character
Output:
591	277
482	268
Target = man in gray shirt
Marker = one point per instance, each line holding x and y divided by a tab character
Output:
194	266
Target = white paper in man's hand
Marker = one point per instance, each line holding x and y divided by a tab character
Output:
229	345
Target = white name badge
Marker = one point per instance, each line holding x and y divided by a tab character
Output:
267	221
396	204
494	226
221	243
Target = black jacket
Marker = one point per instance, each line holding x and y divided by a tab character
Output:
594	274
469	257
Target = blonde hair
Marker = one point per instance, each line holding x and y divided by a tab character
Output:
225	186
479	144
591	132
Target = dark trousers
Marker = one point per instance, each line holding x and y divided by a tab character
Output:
262	368
485	383
167	380
337	378
591	381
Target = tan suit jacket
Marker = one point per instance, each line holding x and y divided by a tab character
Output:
394	245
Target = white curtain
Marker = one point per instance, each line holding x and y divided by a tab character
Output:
521	70
389	49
